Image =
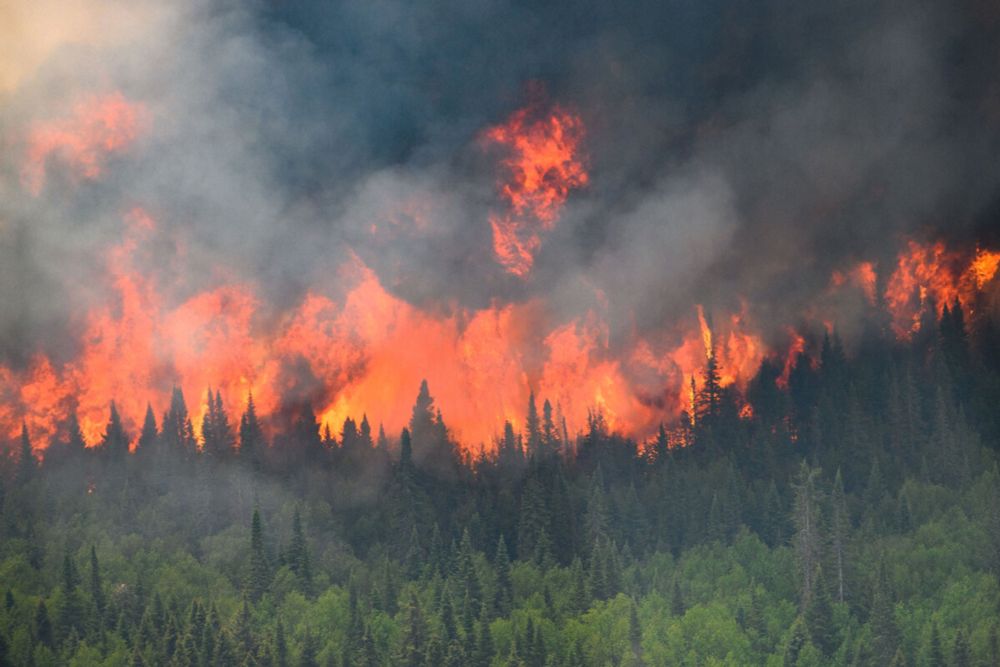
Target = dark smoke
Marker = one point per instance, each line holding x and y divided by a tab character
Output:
736	148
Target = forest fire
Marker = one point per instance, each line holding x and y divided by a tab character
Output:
931	276
543	165
365	350
368	352
99	126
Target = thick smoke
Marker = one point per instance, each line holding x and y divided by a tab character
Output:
736	149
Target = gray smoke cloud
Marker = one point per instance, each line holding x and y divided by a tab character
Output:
735	149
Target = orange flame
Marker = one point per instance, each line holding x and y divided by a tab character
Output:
98	127
795	348
929	274
706	332
543	166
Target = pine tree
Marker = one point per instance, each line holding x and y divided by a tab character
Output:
466	569
677	606
635	634
252	443
307	656
661	447
579	596
484	645
76	444
411	653
550	433
818	617
534	428
885	632
96	586
27	464
177	431
504	592
114	444
807	528
259	577
961	653
43	626
797	639
533	519
298	555
935	656
244	643
280	645
149	434
839	528
70	610
216	431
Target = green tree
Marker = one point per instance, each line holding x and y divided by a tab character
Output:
298	555
259	575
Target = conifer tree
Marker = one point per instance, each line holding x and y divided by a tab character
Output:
504	592
677	606
807	528
259	576
96	586
252	443
533	426
839	528
961	655
176	428
885	632
308	654
935	656
148	435
298	555
411	653
635	634
280	645
818	617
550	432
43	626
27	464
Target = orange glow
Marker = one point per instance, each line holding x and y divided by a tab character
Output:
862	276
795	348
542	166
99	126
738	354
706	332
932	274
984	267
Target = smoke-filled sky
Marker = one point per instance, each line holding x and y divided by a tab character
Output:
735	153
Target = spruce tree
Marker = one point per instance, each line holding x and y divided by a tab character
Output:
259	575
96	585
148	436
27	464
298	555
533	426
961	655
818	617
885	632
935	656
43	625
251	437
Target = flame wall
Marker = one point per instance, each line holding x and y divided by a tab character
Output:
329	204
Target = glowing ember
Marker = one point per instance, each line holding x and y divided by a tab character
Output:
99	127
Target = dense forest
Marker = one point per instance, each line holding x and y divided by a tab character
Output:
849	516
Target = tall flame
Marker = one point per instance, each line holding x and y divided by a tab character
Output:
542	167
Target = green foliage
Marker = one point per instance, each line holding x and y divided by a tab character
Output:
827	530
